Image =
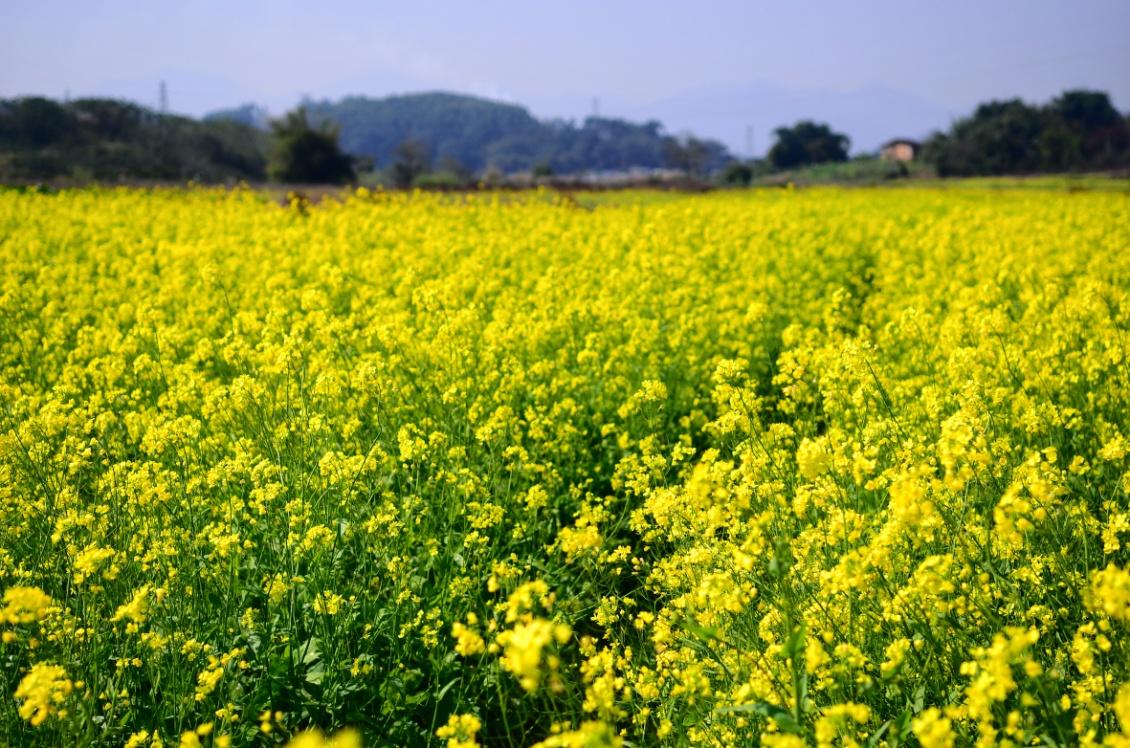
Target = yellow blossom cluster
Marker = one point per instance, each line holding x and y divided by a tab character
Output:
460	731
783	467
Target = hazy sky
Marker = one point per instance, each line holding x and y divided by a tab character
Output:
558	57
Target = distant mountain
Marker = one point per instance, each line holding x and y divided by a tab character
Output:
477	134
251	115
869	116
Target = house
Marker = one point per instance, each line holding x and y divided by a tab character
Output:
899	149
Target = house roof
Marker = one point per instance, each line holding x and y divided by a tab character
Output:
898	141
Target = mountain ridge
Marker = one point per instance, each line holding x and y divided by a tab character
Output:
475	133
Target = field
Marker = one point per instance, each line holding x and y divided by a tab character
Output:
790	467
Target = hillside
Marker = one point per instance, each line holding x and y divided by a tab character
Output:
112	140
478	134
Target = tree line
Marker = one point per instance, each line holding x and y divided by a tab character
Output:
448	140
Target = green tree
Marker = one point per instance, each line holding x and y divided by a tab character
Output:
307	154
688	154
410	161
806	143
737	174
1104	138
1086	110
35	122
1002	137
1078	130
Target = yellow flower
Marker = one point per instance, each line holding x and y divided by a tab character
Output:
933	729
782	740
90	561
813	459
315	739
523	647
592	734
896	653
1110	593
42	692
136	609
460	731
138	739
467	640
208	679
836	721
25	605
328	603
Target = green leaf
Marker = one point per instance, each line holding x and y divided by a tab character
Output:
313	653
443	691
874	739
702	632
315	673
795	643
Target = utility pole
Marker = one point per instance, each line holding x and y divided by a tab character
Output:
595	106
749	141
163	98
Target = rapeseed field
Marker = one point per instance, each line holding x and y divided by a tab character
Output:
784	468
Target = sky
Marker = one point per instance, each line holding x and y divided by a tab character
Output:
724	68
